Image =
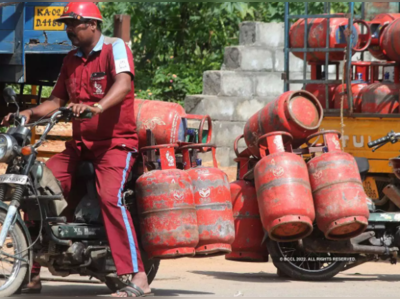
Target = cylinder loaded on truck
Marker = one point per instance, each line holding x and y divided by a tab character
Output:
355	190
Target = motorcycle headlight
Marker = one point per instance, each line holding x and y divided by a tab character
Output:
6	147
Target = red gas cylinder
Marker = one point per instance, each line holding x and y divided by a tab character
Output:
283	191
382	98
378	25
296	112
317	29
166	120
339	197
248	227
356	88
380	41
167	212
214	210
318	90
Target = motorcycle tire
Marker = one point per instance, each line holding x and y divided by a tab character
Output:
21	265
151	268
295	270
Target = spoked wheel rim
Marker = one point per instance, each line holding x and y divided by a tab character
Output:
306	261
9	266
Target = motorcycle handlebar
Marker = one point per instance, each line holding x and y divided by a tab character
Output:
379	141
67	112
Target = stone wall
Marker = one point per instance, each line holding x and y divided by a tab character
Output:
249	78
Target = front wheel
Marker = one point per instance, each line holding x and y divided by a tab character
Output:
292	261
13	260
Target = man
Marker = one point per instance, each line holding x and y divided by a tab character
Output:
98	76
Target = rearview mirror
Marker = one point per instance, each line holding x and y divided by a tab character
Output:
9	95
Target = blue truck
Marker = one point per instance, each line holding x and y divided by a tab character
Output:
32	44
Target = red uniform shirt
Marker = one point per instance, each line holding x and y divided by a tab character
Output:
87	81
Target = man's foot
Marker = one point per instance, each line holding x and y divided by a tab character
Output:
139	288
34	286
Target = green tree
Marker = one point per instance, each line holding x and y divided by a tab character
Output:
175	42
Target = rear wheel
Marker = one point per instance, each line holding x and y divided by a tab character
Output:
294	262
150	266
13	260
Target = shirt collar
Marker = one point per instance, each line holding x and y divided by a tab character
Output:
97	48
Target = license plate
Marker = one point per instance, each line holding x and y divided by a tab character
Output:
13	179
370	188
45	17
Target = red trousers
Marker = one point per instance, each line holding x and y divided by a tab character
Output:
112	170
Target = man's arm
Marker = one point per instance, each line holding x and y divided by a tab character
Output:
52	104
37	112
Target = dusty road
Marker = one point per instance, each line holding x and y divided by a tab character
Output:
216	277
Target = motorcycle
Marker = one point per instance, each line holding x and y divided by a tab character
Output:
316	258
47	238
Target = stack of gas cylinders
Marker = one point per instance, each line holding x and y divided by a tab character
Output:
283	187
185	209
374	85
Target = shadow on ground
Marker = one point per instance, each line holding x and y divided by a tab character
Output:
274	278
91	290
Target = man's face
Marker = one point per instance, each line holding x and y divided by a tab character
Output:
80	33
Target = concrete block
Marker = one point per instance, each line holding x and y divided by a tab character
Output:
245	109
247	33
219	108
269	84
295	64
228	83
237	84
212	82
247	58
225	132
225	108
258	33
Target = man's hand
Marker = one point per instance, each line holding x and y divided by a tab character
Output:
78	109
26	113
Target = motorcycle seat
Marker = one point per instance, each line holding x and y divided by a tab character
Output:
363	165
86	171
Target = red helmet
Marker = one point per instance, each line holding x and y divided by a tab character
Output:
81	11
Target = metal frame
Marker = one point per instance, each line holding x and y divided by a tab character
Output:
326	50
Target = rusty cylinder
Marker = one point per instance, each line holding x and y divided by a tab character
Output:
385	31
378	26
316	37
249	232
296	112
339	197
283	191
382	98
214	211
167	213
166	120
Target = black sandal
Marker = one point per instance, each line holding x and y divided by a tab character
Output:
133	289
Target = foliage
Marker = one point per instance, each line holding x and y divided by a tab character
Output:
175	42
46	91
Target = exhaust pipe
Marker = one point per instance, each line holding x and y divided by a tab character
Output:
348	246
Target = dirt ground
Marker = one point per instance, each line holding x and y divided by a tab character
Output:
216	277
